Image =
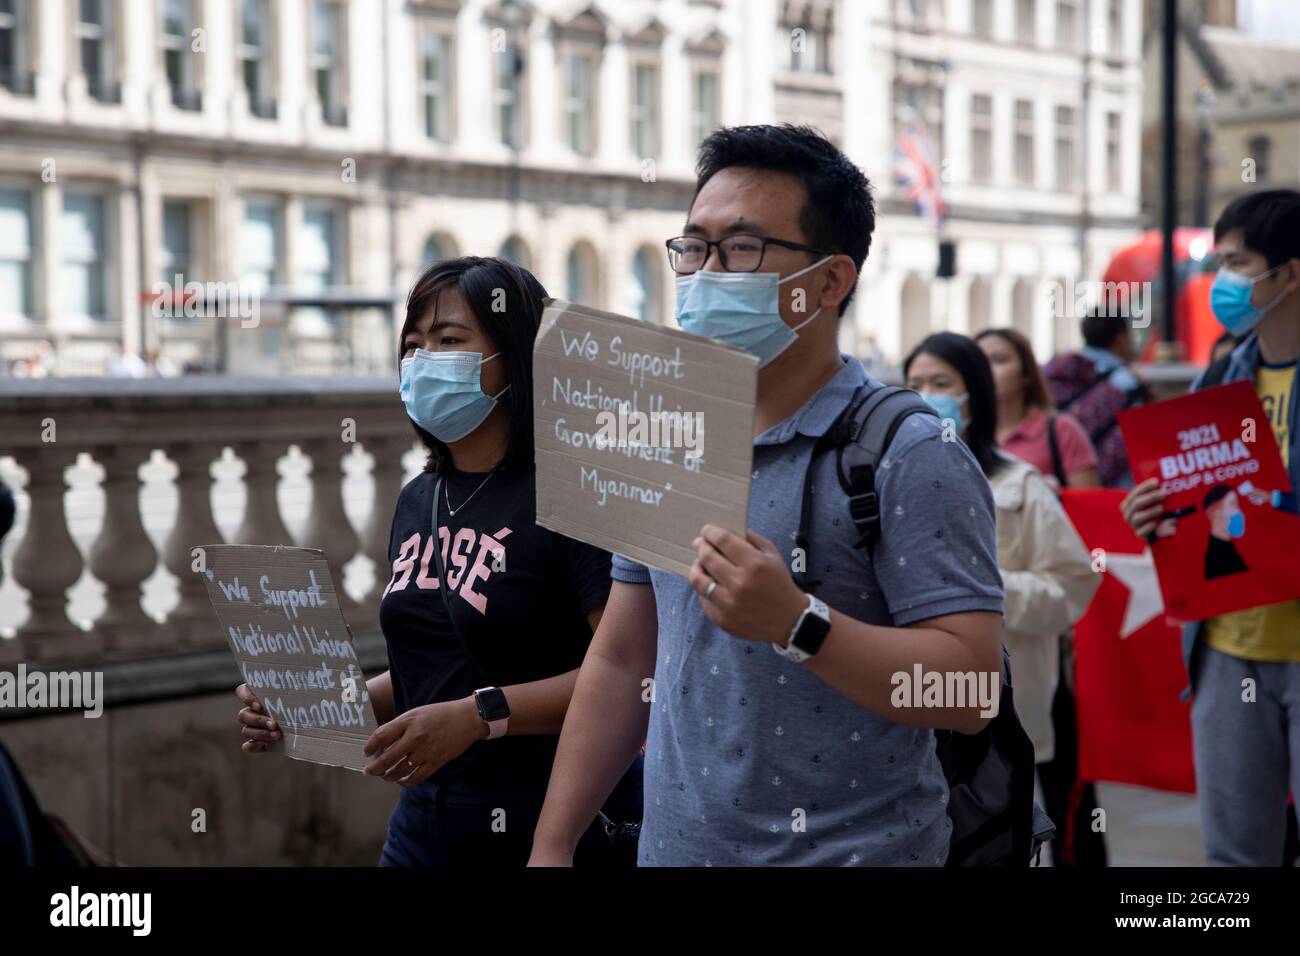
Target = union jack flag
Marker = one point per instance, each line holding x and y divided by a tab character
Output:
916	170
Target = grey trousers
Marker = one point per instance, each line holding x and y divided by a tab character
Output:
1247	755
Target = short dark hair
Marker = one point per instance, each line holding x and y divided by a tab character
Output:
963	354
1269	221
1100	330
839	214
512	329
1215	495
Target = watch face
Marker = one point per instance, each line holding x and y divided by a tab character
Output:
492	704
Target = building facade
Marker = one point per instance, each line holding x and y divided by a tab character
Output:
165	164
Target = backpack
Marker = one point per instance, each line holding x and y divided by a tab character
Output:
1088	395
995	821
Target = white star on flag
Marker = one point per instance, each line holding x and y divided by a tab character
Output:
1137	572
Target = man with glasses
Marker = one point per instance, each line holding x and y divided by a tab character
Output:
773	734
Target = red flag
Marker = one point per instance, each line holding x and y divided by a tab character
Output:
1128	663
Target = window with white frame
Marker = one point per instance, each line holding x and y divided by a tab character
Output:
259	246
1026	20
1114	171
981	18
177	255
803	41
84	271
507	94
1260	149
1067	25
981	138
704	103
1115	27
327	60
318	257
1066	135
435	84
15	46
15	252
645	110
178	21
579	101
255	52
94	31
1023	147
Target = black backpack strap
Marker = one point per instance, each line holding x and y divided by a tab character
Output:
860	435
1058	468
875	422
446	596
1215	373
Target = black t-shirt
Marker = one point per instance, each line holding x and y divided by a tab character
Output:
520	595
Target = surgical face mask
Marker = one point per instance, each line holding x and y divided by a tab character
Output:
443	395
1230	300
1237	525
948	406
742	309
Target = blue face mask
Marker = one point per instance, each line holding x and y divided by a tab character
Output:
442	394
742	309
1230	300
1237	525
948	407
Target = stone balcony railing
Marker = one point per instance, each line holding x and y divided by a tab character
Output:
47	424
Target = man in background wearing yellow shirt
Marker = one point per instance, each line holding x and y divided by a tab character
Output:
1245	666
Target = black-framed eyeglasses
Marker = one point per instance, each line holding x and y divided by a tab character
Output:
740	253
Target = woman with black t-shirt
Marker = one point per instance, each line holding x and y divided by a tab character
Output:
480	674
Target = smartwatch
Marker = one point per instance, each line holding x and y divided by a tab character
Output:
492	707
808	633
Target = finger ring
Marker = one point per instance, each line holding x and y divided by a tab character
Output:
414	767
708	592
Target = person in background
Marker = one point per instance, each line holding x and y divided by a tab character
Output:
1247	751
482	658
1028	427
1059	447
1046	571
1096	383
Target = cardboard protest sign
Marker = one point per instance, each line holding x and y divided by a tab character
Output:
1229	533
643	434
280	612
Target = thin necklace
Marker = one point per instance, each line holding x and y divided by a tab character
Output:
452	511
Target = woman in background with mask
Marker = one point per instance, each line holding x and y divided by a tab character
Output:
1046	573
487	616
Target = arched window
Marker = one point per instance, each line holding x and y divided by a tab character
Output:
514	250
643	287
580	275
432	252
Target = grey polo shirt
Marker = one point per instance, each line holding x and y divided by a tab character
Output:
754	760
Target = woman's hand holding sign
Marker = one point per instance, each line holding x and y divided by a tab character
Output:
411	748
745	586
258	729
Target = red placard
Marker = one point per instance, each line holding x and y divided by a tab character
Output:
1227	542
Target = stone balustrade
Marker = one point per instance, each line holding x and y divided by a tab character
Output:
46	424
